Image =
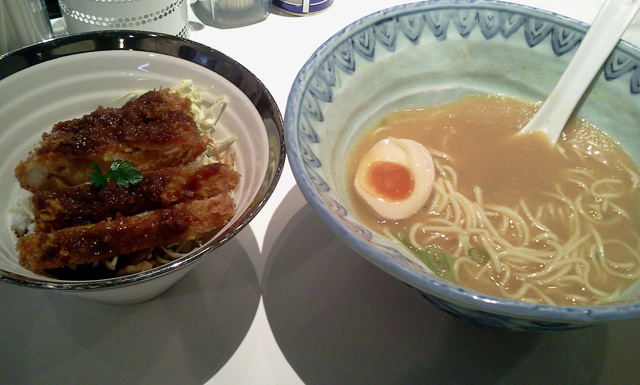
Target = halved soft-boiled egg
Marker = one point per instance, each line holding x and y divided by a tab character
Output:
395	177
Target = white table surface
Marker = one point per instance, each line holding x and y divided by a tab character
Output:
286	302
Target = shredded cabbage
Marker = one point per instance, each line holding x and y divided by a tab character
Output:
206	115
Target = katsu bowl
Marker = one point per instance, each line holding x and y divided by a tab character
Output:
128	158
401	132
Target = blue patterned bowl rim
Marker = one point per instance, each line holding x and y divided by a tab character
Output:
438	288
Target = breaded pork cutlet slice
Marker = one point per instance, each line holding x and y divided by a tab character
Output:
155	130
123	235
85	203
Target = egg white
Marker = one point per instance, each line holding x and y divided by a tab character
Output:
405	152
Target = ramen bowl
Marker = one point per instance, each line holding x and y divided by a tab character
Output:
428	54
71	76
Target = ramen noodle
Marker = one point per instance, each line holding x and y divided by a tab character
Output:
507	215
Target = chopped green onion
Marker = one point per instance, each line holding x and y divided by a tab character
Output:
480	256
406	243
439	261
434	256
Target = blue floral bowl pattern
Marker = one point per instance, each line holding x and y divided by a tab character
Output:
428	53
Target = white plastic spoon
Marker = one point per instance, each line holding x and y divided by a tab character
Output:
601	38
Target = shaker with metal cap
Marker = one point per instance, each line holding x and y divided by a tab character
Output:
302	7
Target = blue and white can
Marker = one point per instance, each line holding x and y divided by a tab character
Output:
301	7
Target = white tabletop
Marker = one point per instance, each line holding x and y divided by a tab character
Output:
286	302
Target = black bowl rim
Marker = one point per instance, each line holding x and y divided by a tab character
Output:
182	48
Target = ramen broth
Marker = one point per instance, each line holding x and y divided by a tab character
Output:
552	224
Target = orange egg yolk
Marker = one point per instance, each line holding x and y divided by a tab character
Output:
390	181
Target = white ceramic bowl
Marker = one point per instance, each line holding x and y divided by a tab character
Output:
68	77
430	53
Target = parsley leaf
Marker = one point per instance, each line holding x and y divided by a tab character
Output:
121	171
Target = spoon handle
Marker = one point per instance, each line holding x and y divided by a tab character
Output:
601	38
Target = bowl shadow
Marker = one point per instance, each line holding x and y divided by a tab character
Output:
339	319
184	336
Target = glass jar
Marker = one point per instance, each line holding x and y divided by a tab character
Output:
236	13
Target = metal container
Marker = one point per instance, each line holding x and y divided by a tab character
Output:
301	7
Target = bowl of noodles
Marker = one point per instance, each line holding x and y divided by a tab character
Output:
401	132
128	158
